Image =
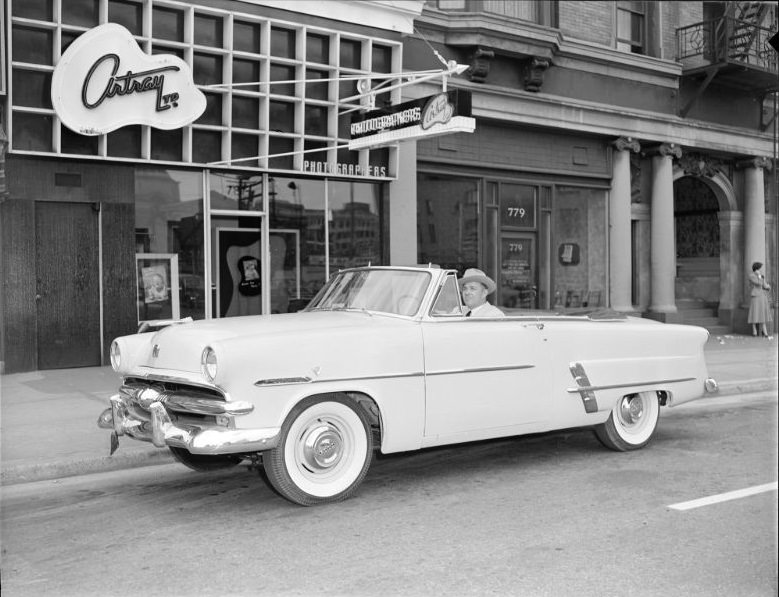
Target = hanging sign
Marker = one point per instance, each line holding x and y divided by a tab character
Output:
104	81
440	114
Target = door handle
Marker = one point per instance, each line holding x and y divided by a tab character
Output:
37	298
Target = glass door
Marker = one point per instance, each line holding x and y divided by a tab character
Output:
239	264
518	285
236	266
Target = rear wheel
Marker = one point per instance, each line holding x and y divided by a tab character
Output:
632	423
204	462
324	452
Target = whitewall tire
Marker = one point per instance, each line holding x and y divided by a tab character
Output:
324	452
632	422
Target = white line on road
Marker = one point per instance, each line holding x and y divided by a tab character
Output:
724	497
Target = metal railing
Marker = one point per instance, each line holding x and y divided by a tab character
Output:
727	40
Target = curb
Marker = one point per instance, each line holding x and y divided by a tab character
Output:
14	474
56	469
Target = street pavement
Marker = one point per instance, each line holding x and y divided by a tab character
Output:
48	419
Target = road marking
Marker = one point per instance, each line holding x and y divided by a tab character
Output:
724	497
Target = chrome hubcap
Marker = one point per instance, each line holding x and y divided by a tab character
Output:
322	447
631	410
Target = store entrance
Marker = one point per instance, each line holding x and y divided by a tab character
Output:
67	267
518	271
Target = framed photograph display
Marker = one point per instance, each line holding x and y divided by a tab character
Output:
157	276
238	270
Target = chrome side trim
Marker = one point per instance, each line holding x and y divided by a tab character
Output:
585	390
479	370
653	382
300	380
282	381
289	380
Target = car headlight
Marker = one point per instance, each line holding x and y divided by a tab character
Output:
208	363
116	356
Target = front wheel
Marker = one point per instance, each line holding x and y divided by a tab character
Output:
632	423
324	452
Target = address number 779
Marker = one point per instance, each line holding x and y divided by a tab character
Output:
516	212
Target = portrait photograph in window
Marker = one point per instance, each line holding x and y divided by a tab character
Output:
157	278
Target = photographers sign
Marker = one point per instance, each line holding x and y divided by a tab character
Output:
440	114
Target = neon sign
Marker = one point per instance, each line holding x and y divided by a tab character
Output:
104	81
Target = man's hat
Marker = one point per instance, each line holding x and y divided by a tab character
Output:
476	275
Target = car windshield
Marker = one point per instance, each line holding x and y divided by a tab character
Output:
385	291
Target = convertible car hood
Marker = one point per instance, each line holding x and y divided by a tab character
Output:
180	346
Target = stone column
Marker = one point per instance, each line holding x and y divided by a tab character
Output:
663	249
620	271
754	211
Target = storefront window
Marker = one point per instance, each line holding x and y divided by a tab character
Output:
41	10
125	142
168	24
32	45
206	146
169	244
579	249
32	132
297	241
127	14
355	224
208	31
166	145
32	88
447	221
83	13
71	142
247	37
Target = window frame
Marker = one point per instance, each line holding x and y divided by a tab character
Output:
629	44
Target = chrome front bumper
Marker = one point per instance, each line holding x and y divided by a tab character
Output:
124	418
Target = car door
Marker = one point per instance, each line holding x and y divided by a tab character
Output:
484	378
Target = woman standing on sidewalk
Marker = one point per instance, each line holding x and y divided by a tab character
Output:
759	307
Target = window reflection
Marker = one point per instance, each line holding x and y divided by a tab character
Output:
169	221
235	191
447	221
355	226
579	247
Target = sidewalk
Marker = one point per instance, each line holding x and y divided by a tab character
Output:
48	419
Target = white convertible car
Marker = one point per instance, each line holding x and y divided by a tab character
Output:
383	358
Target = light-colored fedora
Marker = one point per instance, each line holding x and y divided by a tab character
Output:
476	275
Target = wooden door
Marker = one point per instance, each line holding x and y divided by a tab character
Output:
67	284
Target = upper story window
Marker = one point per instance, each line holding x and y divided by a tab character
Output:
543	12
631	26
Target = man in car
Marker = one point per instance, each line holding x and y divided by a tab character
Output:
475	285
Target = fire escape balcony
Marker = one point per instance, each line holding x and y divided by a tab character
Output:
735	52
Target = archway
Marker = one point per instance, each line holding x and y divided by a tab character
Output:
697	234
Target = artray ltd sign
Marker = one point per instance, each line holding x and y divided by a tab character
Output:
104	81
